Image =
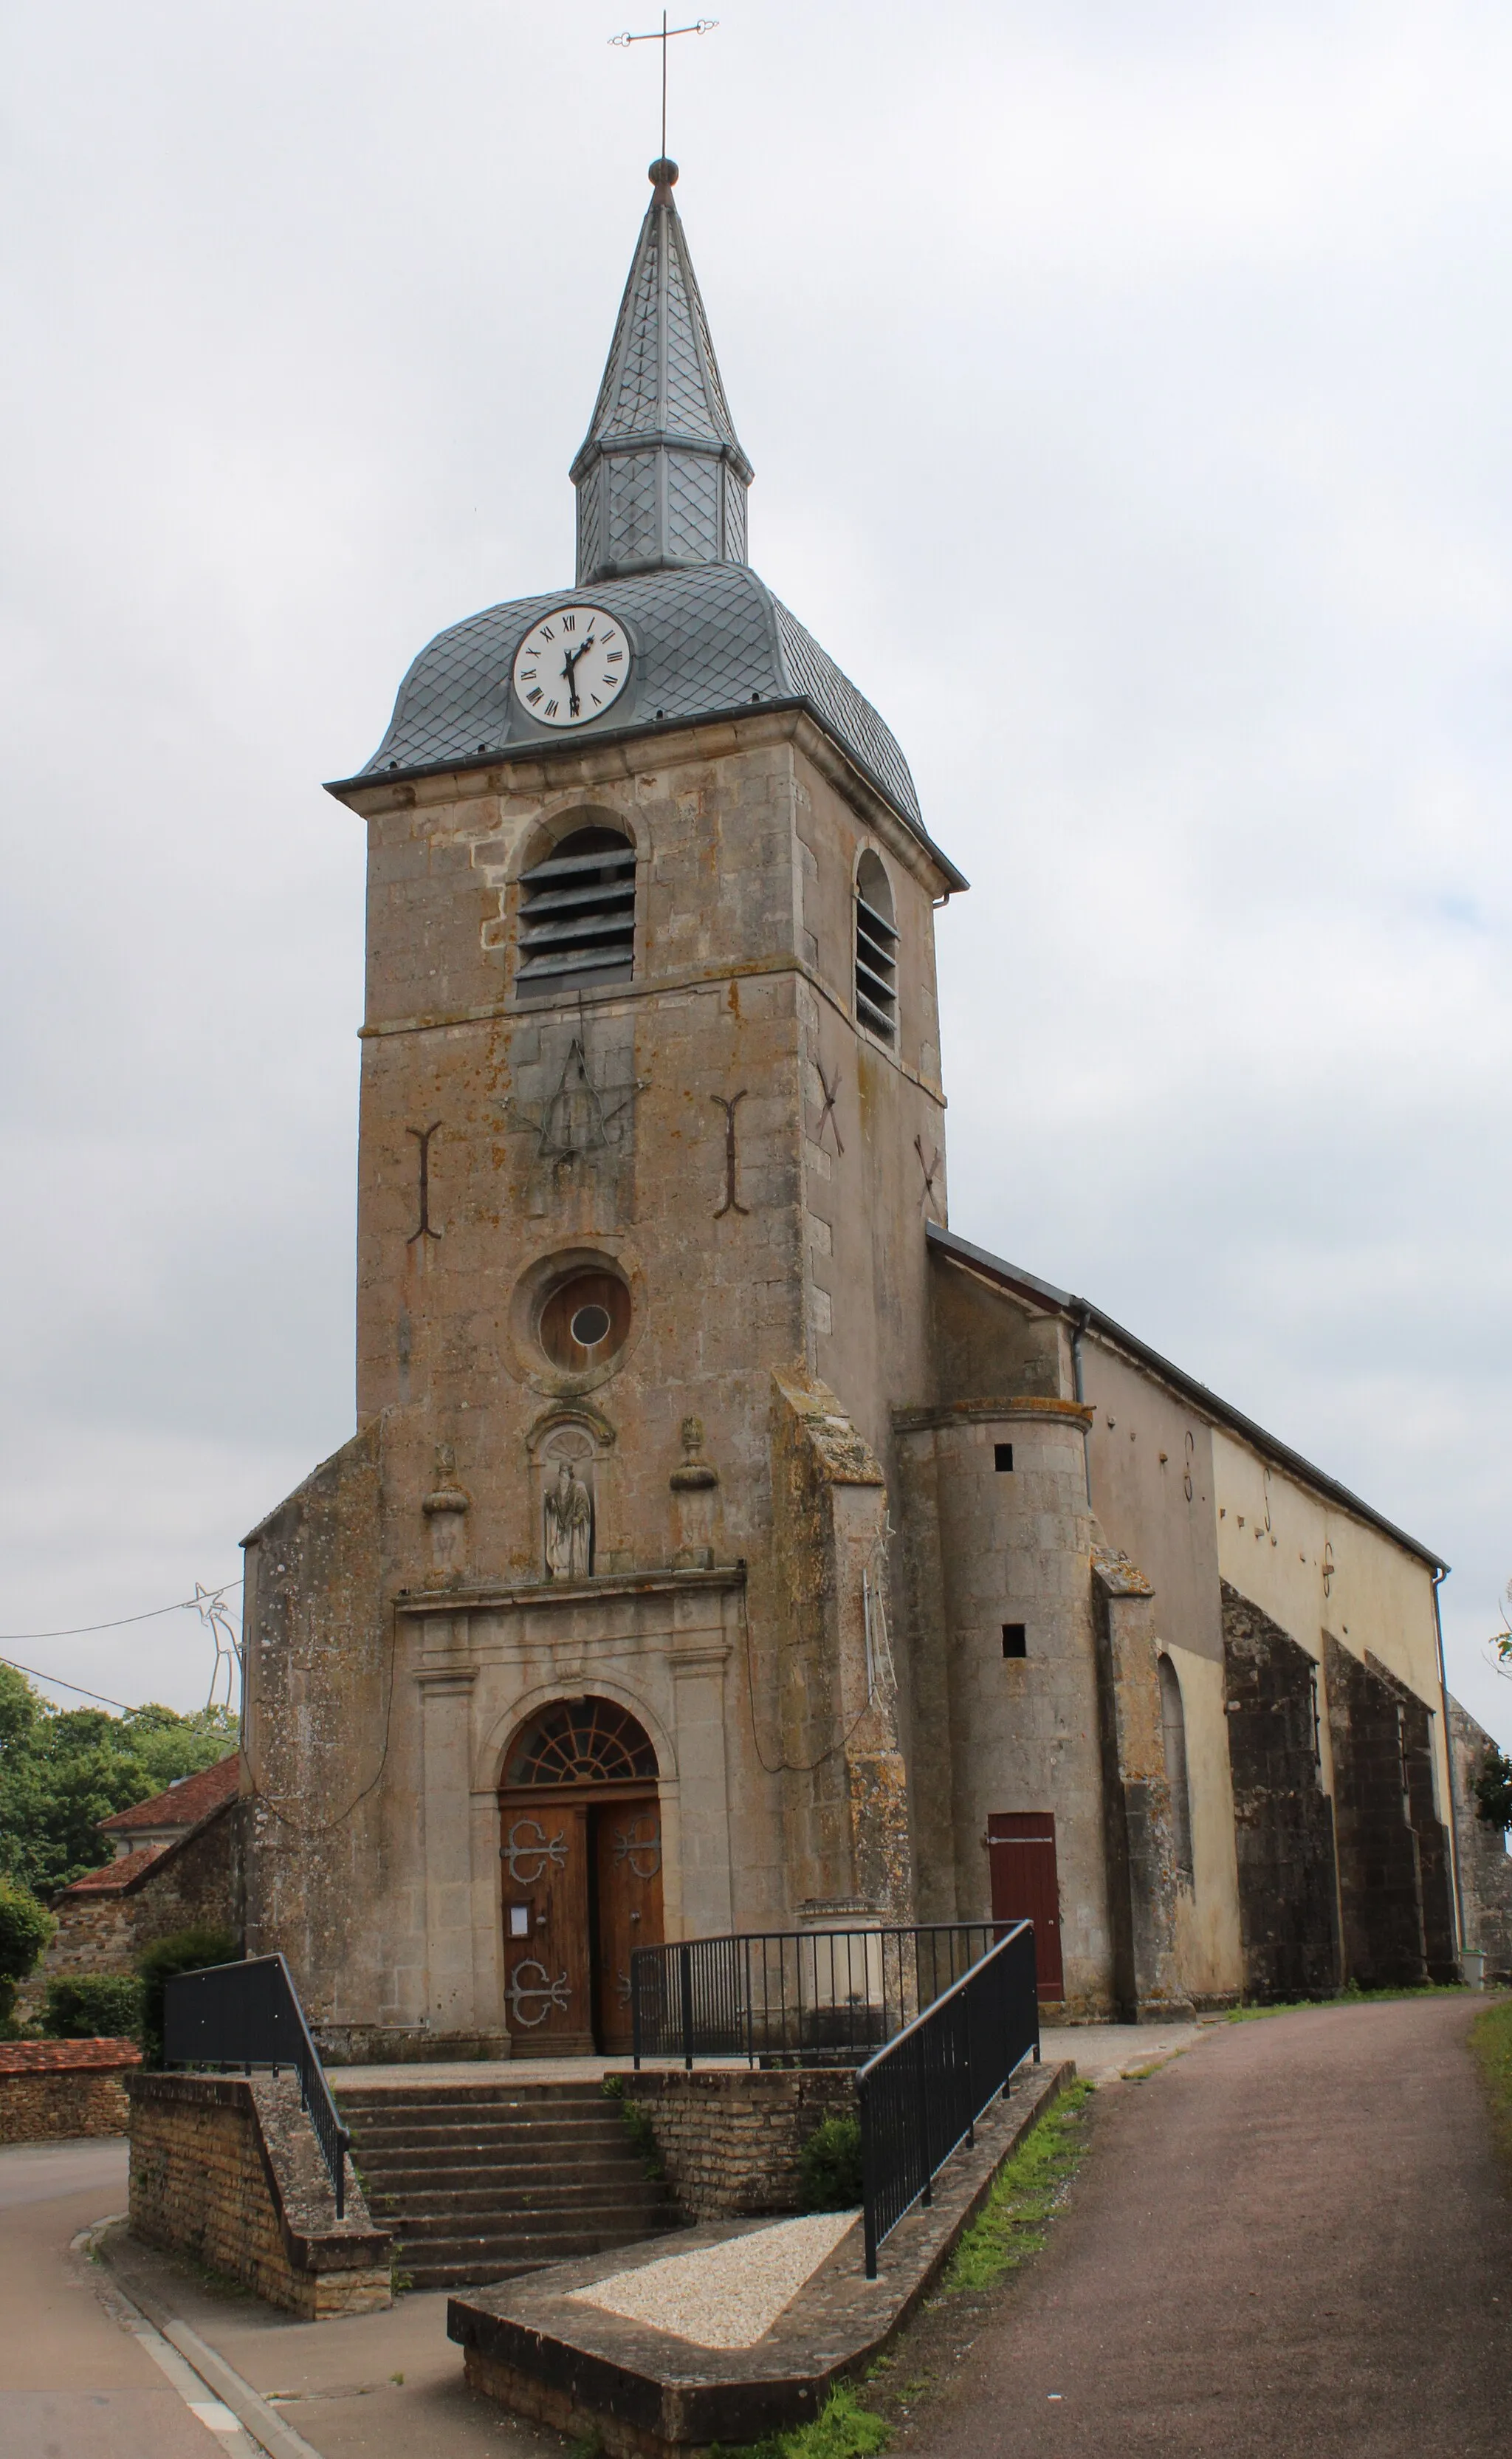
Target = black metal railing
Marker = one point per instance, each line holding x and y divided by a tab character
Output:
795	1997
249	2015
921	2095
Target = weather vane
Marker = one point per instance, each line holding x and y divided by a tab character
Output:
668	35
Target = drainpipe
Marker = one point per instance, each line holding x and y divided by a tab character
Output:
1438	1577
1079	1325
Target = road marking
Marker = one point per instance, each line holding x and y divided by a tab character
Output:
215	2413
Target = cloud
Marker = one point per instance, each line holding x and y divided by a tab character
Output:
1128	388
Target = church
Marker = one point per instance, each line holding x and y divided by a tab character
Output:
726	1544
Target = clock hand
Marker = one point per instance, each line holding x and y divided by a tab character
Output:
570	673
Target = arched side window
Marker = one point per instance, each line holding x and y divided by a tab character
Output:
577	914
1173	1729
876	943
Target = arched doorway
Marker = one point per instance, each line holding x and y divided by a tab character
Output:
580	1845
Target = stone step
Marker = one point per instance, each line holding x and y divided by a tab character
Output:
464	2123
522	2212
500	2177
486	2182
434	2261
479	2095
620	2219
494	2152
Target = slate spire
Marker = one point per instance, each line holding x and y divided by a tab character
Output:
660	476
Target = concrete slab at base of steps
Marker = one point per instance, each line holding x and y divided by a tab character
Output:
640	2393
482	2180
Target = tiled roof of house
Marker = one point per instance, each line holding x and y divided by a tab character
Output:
184	1803
66	2057
117	1876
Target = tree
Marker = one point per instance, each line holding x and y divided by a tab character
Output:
1494	1790
62	1769
25	1929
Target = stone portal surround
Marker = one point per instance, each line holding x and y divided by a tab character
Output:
228	2171
49	2089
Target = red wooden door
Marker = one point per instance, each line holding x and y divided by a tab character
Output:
1021	1850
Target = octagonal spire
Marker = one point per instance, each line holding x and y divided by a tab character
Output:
660	476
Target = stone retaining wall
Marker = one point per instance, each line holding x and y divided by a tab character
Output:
53	2089
228	2171
729	2136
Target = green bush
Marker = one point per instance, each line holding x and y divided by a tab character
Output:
187	1950
25	1929
92	2007
830	2166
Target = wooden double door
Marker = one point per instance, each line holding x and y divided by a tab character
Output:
582	1889
1025	1887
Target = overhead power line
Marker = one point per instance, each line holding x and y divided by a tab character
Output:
208	1602
58	1684
83	1629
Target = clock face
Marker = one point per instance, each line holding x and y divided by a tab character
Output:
572	665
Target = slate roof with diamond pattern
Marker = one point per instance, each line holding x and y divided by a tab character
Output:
709	641
662	376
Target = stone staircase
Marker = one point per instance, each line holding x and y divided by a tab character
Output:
482	2181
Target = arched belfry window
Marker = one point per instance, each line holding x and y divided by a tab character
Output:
877	941
582	1741
1173	1732
577	916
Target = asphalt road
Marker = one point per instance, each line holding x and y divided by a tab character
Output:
1296	2241
73	2384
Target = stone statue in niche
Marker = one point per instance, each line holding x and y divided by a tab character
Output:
569	1518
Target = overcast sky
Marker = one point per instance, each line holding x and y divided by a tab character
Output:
1128	387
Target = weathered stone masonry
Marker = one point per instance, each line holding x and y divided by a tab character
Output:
228	2171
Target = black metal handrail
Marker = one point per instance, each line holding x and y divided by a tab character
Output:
826	1997
249	2015
921	2095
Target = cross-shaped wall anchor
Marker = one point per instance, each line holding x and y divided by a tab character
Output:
831	1093
422	1137
928	1201
731	1203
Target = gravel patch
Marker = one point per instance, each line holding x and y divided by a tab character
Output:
724	2296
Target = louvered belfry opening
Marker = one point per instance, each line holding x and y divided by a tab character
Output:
876	949
576	921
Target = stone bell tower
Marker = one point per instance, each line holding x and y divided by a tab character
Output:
585	1636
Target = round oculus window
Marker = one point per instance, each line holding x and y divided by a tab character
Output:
584	1321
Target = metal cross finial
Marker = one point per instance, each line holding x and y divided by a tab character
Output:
668	33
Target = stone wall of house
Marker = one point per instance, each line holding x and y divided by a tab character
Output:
228	2171
1282	1819
51	2089
197	1883
729	2138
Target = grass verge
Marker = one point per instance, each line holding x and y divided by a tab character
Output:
1491	2040
1351	1997
1025	2192
1010	2227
